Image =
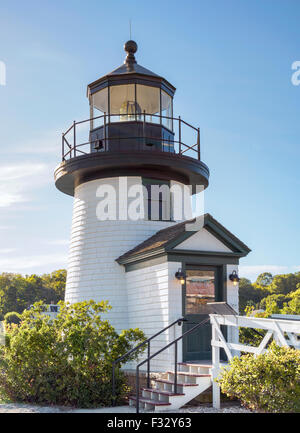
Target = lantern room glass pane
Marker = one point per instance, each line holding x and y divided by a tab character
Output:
148	100
166	109
123	104
99	105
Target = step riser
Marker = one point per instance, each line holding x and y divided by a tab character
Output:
194	369
170	388
155	396
182	379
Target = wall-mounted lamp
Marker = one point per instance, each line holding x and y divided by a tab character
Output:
234	278
180	275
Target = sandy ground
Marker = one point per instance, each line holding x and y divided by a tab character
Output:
26	408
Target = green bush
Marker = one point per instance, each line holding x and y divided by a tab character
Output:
66	360
269	382
12	317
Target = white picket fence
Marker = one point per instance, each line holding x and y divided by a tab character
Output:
285	332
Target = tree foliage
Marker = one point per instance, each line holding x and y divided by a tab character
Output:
18	292
278	294
66	360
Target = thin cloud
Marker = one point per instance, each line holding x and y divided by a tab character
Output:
7	250
252	272
17	181
33	264
58	242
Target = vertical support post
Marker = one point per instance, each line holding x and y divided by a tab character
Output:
137	384
144	127
216	368
198	144
179	133
74	128
63	147
175	370
105	146
148	366
113	385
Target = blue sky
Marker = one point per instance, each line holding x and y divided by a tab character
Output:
230	61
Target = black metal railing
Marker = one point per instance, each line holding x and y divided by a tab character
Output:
117	361
194	328
72	146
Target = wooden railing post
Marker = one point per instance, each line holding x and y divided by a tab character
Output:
216	367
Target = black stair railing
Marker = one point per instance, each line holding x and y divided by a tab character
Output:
134	349
194	328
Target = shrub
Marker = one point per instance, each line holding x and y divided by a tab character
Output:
269	382
66	360
12	317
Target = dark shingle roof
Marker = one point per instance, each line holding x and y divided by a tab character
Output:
159	239
164	236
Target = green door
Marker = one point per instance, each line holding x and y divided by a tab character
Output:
203	285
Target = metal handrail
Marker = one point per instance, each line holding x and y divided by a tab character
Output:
179	321
106	120
137	384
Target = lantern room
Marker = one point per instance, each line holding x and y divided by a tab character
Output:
132	107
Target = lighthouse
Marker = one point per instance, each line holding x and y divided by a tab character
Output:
132	168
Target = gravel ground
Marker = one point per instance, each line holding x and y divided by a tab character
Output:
27	408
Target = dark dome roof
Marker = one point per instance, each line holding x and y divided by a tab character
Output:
129	70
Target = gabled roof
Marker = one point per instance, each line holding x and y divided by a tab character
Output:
167	239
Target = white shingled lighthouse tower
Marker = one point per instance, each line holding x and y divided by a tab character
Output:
129	167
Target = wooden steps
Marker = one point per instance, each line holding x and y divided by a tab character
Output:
192	380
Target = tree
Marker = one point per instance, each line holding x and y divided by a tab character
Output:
249	294
284	283
264	279
18	292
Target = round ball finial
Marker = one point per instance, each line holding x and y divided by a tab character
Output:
130	47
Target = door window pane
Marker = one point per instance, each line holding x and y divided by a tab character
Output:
200	289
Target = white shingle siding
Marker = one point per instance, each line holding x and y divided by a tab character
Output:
92	270
154	301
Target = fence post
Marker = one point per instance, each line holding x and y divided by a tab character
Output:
215	368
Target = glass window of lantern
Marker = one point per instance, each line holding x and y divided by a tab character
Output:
166	110
149	101
99	105
123	103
